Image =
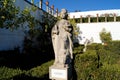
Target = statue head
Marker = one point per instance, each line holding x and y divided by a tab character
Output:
64	14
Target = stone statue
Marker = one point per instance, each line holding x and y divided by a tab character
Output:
62	40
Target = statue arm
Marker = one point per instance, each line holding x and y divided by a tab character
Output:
68	27
55	30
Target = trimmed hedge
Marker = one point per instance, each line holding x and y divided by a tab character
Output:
85	64
99	62
39	72
9	73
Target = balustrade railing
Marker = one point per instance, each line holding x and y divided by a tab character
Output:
89	19
44	6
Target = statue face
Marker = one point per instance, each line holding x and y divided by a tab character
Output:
64	14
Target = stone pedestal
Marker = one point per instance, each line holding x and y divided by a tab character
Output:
60	73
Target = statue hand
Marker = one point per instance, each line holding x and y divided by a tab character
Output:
71	56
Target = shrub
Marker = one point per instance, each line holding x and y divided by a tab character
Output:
108	72
105	36
114	46
8	73
85	64
99	62
78	49
40	71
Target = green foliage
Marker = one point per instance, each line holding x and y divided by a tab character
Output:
99	62
106	72
93	19
118	18
110	19
12	17
102	19
114	46
85	20
49	22
75	28
105	36
37	72
32	1
94	46
8	73
40	71
26	17
85	64
78	48
8	13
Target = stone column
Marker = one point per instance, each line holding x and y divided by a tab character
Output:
88	18
52	7
81	19
97	17
31	1
106	17
114	17
47	6
40	4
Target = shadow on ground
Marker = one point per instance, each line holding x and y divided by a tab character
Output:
26	61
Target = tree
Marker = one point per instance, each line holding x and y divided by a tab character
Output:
75	28
11	17
8	13
105	36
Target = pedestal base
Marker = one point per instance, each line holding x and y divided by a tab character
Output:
59	73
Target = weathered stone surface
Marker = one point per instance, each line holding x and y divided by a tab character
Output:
62	44
57	73
62	41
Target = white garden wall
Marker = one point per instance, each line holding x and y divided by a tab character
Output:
94	13
12	39
92	30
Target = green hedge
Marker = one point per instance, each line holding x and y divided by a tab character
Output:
40	71
9	73
99	62
36	73
85	64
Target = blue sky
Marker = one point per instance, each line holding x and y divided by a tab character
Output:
84	5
